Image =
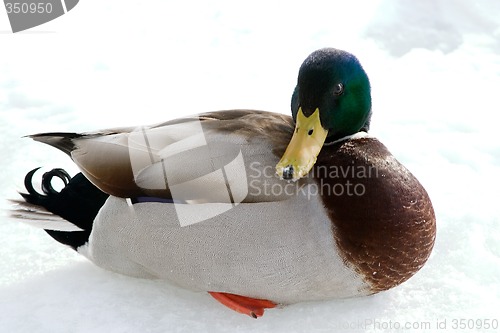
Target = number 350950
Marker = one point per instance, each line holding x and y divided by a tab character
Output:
25	8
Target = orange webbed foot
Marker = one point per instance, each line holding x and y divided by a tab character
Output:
246	305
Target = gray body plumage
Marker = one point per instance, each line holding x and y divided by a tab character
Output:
259	250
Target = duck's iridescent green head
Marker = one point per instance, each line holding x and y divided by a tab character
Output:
331	100
334	82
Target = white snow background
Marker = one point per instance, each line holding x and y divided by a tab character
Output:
434	67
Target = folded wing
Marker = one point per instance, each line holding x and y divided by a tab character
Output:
221	157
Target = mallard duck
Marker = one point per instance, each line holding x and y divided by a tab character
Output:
257	208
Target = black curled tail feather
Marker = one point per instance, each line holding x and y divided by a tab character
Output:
78	202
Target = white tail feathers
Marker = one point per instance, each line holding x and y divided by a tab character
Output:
39	217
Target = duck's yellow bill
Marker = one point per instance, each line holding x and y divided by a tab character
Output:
305	145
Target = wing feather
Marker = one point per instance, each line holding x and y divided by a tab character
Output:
200	158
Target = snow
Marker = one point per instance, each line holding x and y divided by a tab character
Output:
435	71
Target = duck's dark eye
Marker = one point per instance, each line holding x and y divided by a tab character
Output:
338	89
